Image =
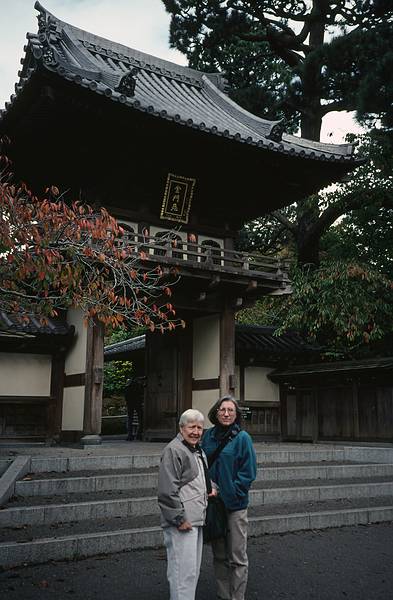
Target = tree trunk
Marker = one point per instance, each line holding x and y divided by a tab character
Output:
311	125
308	252
312	119
307	243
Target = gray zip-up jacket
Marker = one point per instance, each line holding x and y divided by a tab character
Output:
182	492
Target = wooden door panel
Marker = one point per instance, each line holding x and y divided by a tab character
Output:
161	387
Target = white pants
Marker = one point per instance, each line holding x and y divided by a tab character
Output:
184	554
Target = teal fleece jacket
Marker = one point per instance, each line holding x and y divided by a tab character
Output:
235	468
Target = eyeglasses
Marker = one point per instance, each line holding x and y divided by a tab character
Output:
226	410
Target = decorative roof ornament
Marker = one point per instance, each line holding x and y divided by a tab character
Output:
48	35
276	132
127	83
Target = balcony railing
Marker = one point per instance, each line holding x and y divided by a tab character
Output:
174	251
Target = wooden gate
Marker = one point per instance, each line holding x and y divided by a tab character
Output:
168	382
298	414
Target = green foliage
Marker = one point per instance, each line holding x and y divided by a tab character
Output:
114	405
116	374
297	58
355	70
344	306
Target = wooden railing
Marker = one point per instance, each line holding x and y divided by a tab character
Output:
176	251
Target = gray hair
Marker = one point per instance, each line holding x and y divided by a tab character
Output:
191	415
212	414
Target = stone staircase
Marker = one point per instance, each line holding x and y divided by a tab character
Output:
76	506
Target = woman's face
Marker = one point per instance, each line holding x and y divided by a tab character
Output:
226	414
192	432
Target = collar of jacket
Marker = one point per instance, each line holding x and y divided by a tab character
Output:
226	432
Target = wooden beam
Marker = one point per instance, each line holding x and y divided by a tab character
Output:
252	286
227	350
56	391
94	379
215	280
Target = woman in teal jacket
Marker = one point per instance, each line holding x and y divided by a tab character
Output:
233	471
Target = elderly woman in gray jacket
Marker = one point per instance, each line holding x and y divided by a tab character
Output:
183	489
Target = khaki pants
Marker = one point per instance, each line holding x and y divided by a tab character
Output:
230	558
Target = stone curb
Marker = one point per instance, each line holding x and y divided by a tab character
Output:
80	511
319	520
17	469
80	546
94	463
41	464
320	493
324	472
97	483
86	484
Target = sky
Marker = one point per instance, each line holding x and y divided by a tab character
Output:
140	24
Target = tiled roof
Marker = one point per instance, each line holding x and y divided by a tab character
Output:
257	340
263	341
118	350
13	325
368	365
152	85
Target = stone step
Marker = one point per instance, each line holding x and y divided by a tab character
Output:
86	484
110	536
284	454
323	471
265	493
81	482
335	489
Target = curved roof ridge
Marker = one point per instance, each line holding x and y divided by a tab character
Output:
343	149
79	36
253	121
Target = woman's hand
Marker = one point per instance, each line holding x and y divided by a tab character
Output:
214	492
185	526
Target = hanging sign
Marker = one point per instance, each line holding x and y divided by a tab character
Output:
177	198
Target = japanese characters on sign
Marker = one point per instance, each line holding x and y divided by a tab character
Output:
177	198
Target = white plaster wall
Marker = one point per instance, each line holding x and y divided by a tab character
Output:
220	242
131	224
76	358
25	374
257	386
182	234
206	347
202	238
73	405
203	400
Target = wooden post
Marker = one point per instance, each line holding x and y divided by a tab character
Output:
355	409
94	384
56	393
227	351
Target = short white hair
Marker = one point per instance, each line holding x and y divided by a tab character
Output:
191	415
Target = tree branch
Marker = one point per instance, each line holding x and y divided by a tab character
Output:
336	105
281	218
354	200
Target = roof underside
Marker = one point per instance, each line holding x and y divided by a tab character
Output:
341	368
260	342
166	90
